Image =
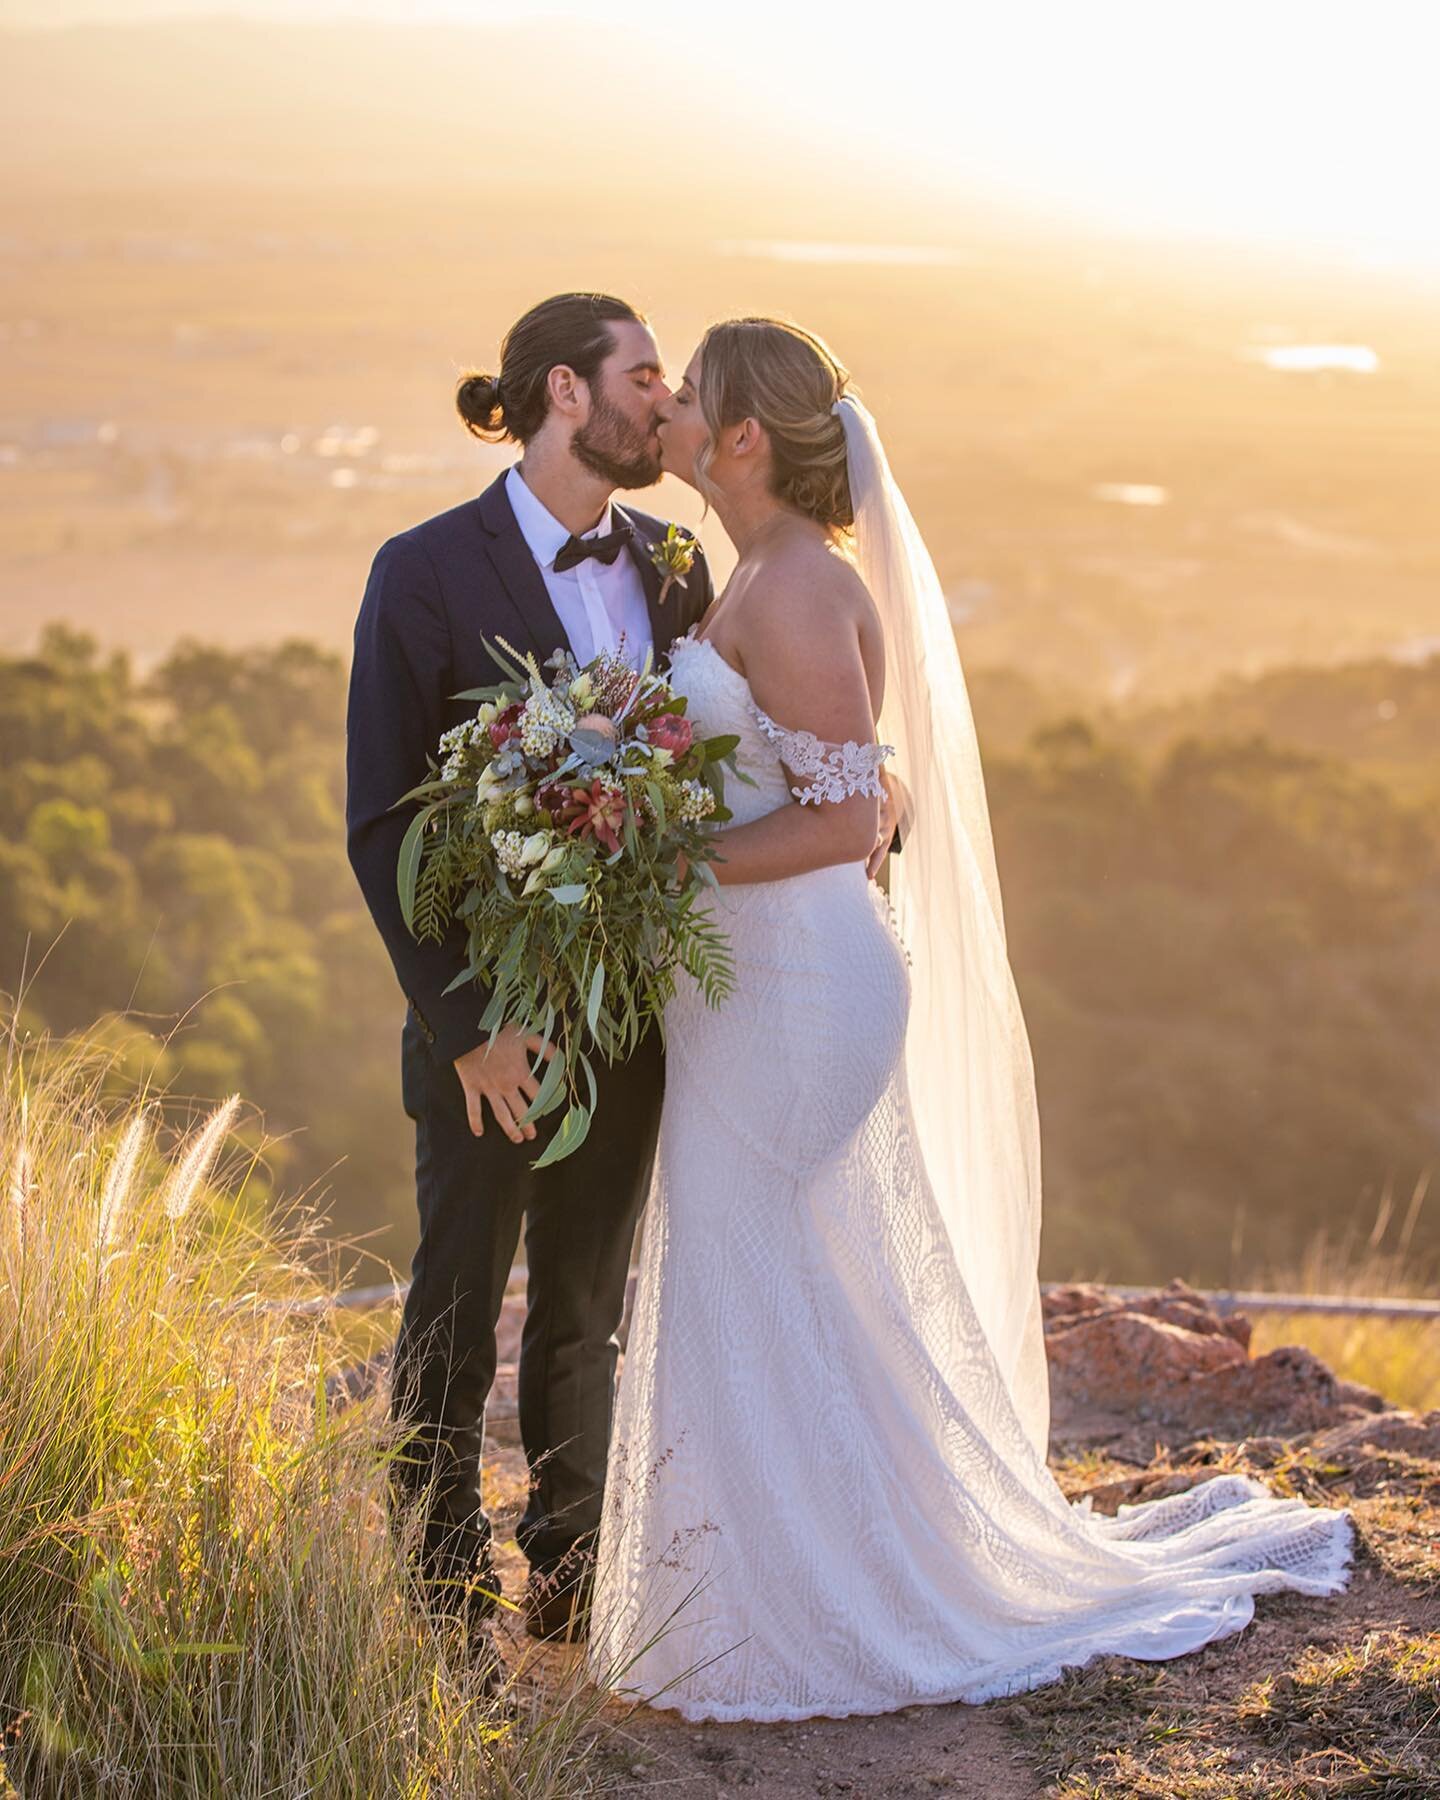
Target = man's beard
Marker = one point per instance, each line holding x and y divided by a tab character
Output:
614	449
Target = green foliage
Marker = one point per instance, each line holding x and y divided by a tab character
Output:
581	940
203	1588
1226	943
1228	958
172	848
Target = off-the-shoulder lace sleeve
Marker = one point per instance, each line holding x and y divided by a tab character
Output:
833	771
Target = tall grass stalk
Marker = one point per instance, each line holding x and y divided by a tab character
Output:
1376	1256
201	1592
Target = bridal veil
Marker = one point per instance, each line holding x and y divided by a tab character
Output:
967	1052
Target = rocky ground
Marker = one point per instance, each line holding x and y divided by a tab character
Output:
1316	1697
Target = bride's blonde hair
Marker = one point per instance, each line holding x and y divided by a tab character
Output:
788	379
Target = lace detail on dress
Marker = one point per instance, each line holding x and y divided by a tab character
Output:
838	770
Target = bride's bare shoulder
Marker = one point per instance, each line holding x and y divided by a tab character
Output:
804	588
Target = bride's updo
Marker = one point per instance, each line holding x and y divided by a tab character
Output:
788	379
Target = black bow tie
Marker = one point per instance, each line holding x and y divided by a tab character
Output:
606	549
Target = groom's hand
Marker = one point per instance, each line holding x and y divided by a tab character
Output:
889	819
499	1071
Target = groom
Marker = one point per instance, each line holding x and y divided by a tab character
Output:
544	559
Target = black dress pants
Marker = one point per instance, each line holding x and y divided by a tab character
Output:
580	1216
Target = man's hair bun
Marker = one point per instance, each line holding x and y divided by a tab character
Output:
477	400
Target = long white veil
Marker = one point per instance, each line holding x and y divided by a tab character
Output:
967	1053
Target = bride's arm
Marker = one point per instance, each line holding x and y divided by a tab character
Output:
802	658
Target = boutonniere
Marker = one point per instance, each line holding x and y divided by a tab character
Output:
673	558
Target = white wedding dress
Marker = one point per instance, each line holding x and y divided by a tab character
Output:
821	1496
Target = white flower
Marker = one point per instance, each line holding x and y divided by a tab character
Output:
524	805
553	859
543	722
509	850
696	800
488	712
535	847
660	758
582	690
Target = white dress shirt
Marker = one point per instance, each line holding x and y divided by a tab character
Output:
596	601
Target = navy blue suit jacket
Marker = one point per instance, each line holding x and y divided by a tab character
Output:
434	591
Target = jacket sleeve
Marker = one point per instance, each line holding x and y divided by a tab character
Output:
400	678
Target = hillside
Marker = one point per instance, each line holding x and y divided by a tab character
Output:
1225	946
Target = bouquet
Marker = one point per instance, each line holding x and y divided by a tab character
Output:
553	827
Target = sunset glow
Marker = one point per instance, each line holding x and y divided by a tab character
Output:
1309	125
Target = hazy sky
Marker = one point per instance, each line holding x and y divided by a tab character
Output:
1310	122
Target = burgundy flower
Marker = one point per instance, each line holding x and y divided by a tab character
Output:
505	725
562	801
672	732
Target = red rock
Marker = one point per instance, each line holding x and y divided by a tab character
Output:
1168	1356
1132	1360
1289	1389
1368	1399
1417	1434
1194	1315
1177	1303
1075	1299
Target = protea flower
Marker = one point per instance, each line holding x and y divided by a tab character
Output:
672	732
559	799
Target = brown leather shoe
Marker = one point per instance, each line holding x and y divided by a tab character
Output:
557	1601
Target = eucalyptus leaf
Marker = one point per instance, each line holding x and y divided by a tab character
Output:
494	692
408	870
589	1073
551	1091
592	1001
593	746
465	975
571	1135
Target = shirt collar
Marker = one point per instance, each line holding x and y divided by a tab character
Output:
541	530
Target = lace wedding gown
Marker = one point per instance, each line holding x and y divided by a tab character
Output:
820	1498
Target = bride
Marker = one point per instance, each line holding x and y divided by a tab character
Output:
827	1490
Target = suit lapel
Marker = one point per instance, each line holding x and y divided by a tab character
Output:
534	611
664	618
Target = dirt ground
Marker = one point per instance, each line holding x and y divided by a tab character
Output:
1119	1727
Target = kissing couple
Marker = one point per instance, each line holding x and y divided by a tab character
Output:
822	1487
